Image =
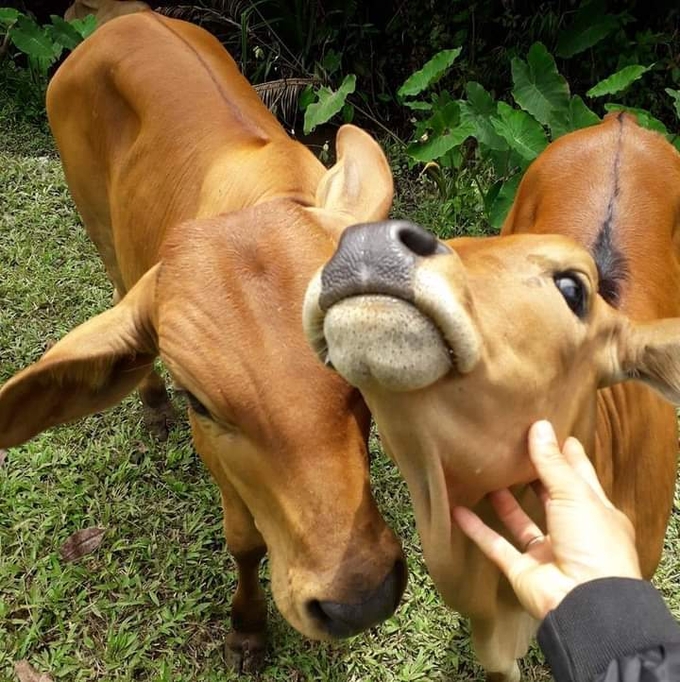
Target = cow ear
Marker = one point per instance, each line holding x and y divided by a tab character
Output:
360	183
91	368
647	352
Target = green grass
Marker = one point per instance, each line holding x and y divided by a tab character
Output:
152	603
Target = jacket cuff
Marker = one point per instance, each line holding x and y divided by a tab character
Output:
603	620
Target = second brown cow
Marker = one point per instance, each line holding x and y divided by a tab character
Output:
458	347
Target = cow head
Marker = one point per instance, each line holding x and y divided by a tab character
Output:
459	346
283	435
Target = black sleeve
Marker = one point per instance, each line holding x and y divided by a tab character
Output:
612	630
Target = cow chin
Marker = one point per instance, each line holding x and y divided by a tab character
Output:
377	339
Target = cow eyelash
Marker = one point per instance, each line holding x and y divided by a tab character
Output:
195	404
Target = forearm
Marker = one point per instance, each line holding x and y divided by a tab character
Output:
603	621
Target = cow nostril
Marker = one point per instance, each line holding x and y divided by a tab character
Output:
345	620
419	241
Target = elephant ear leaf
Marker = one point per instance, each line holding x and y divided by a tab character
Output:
328	104
523	133
8	16
429	74
32	40
591	24
538	87
618	81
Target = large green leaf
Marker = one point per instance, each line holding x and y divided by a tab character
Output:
444	117
500	200
480	99
64	33
590	25
32	40
429	74
675	94
522	132
478	110
436	145
576	116
644	118
8	15
538	87
418	105
329	104
618	81
85	26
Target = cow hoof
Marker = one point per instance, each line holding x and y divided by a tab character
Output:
245	652
159	420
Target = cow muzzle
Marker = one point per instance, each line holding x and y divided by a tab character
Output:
341	620
392	307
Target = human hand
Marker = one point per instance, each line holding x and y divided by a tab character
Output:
587	538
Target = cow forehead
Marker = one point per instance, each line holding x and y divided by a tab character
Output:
228	311
523	255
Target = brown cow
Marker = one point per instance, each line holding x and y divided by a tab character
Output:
103	10
459	347
210	221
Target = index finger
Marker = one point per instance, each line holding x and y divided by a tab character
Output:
495	546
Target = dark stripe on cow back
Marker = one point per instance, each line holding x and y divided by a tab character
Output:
611	262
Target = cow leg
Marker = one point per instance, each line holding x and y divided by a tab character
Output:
157	410
500	641
245	644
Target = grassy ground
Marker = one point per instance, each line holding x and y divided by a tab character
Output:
152	603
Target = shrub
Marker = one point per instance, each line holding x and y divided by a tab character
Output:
29	50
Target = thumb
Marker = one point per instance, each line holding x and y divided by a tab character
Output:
553	469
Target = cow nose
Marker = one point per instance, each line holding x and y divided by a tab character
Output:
377	258
346	620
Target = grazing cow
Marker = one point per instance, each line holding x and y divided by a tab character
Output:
210	221
458	347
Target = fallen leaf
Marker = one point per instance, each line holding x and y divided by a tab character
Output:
3	456
27	673
81	542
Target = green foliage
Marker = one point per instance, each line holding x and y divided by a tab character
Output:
576	115
539	88
329	103
34	41
590	25
478	132
522	132
675	95
38	48
429	74
618	81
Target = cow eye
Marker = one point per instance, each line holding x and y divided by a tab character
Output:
573	291
196	405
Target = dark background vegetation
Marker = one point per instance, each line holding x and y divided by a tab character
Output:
384	41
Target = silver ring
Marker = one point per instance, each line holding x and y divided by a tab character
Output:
534	541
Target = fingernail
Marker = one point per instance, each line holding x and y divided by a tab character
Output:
544	432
